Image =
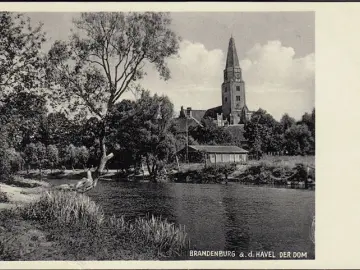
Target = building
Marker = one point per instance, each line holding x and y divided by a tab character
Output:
214	154
234	108
233	113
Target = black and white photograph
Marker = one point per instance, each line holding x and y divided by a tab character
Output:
153	135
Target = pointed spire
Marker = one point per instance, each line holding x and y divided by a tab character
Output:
232	58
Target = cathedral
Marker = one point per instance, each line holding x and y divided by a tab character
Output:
233	111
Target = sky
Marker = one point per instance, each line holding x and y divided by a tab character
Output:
276	52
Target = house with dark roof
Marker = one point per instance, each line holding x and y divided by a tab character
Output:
214	154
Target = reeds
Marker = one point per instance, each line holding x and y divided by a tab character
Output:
65	208
80	224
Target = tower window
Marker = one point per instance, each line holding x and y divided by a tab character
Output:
237	98
225	89
226	99
237	88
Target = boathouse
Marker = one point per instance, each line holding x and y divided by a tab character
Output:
214	154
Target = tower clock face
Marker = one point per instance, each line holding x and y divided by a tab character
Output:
237	76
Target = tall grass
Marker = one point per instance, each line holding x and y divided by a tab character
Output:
79	224
65	208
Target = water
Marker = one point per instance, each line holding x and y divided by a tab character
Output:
232	217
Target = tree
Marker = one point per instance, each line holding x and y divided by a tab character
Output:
71	156
41	156
142	129
210	133
52	156
94	69
30	155
262	132
54	129
286	121
15	159
21	64
20	115
156	144
309	120
298	140
5	166
82	156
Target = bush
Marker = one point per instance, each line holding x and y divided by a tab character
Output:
5	166
3	197
65	208
205	175
265	173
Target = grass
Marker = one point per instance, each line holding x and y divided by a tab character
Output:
73	227
289	161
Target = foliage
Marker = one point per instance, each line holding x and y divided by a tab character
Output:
52	155
266	135
82	156
21	64
205	175
3	197
141	129
210	133
20	114
56	129
104	56
265	173
15	159
298	140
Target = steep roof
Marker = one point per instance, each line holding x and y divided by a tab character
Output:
218	148
198	114
232	58
237	131
180	123
212	112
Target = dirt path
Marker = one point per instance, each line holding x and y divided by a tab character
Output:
21	195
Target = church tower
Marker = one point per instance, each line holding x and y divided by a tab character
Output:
233	89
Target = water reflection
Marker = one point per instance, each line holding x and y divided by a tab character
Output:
220	217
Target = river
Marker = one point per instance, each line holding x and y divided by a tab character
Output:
232	217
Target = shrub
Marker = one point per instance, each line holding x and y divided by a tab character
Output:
264	173
65	208
3	197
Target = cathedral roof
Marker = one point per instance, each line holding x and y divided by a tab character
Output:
232	58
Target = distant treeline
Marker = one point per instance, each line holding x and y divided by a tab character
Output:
263	133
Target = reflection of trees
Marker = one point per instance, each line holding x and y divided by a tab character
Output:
237	233
157	200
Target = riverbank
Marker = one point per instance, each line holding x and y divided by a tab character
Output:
40	224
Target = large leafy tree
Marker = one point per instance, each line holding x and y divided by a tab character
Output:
20	115
55	129
209	133
21	64
263	133
103	58
298	140
142	131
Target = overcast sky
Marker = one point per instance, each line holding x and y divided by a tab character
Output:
276	52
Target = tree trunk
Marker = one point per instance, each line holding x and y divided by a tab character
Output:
104	157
